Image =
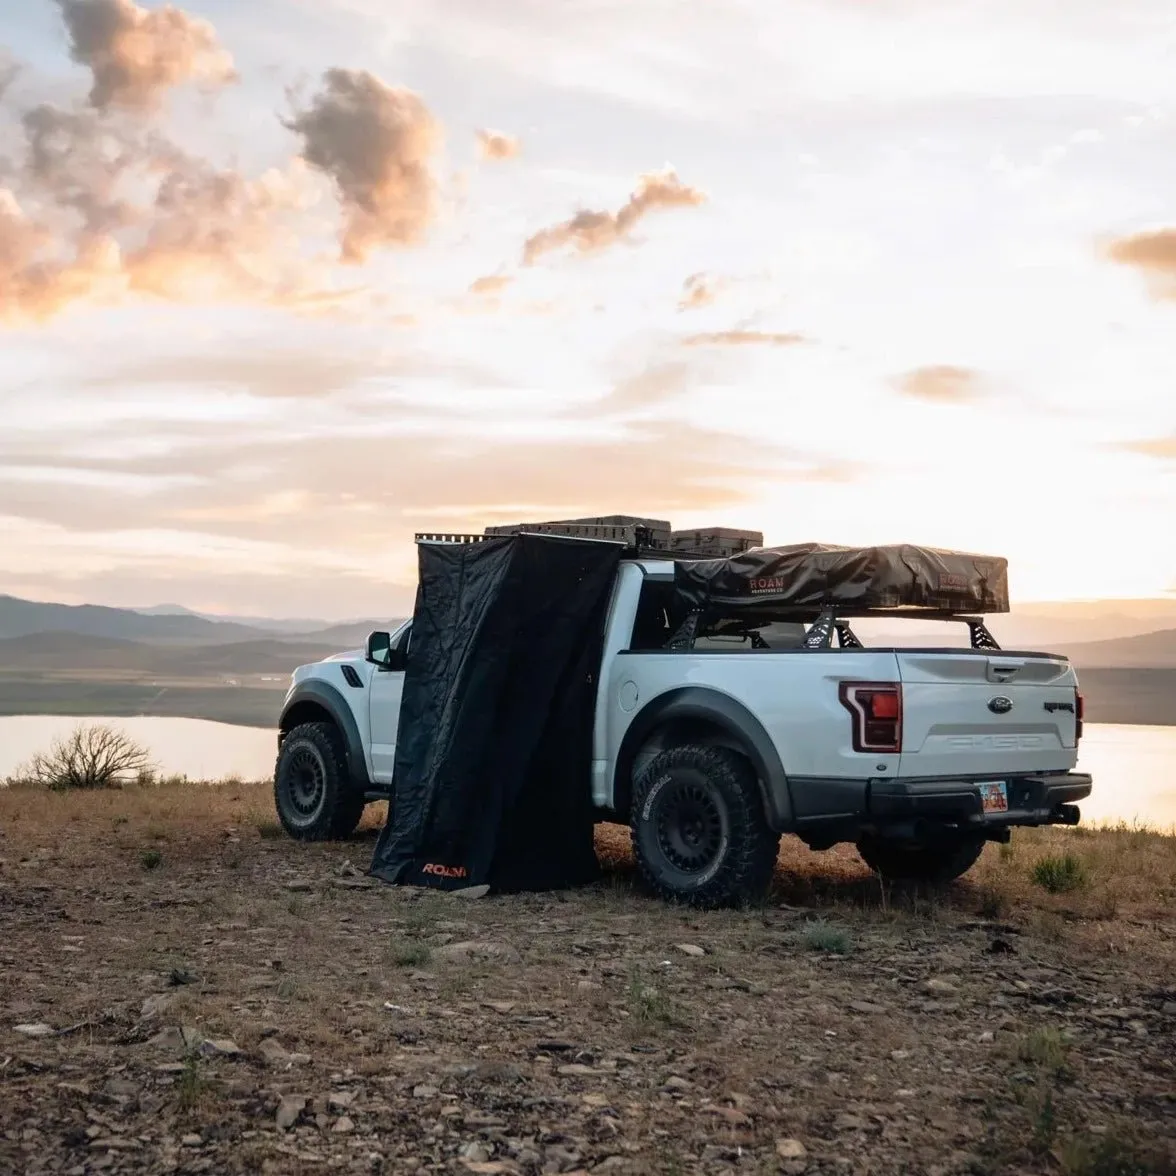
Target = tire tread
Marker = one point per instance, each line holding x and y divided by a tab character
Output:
751	855
343	806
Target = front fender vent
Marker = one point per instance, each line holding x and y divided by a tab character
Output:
352	678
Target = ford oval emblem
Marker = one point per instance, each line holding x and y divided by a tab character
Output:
1000	705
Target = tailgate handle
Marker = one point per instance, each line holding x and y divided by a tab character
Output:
1003	673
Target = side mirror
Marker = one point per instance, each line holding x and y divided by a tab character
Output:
381	652
379	649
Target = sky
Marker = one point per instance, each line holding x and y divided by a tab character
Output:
284	281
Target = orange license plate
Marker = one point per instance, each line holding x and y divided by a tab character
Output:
994	796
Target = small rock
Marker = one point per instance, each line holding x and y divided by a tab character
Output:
472	949
470	892
478	1152
676	1082
220	1045
340	1100
180	976
1169	1007
985	1037
153	1005
299	886
192	1140
900	1055
424	1090
848	1122
36	1029
343	1124
731	1115
791	1149
500	1006
291	1106
690	949
865	1006
939	987
273	1052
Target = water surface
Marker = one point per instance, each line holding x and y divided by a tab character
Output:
1134	767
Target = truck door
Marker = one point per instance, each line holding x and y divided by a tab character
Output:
384	697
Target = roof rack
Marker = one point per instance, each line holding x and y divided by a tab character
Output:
640	536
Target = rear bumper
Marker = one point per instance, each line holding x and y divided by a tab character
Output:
1032	800
831	810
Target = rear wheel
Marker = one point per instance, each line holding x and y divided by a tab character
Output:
698	828
936	862
312	792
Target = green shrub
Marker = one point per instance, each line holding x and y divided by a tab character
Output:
1060	873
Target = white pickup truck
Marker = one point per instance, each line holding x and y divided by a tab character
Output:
710	747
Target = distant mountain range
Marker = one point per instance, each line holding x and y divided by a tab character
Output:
1126	634
173	625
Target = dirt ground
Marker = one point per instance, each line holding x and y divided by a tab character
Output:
184	990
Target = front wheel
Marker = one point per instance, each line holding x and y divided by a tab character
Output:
698	828
312	792
936	862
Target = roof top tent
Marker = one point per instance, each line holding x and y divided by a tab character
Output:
728	571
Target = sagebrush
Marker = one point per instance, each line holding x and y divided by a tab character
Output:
91	756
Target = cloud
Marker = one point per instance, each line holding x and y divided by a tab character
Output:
490	284
375	142
1154	254
697	291
101	209
9	71
494	145
100	214
588	231
136	55
647	389
941	384
224	484
743	339
294	372
1163	448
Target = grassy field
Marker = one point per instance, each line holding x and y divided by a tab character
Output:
220	999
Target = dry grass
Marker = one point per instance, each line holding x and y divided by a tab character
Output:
1115	872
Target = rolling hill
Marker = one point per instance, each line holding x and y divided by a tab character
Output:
1153	651
81	653
26	618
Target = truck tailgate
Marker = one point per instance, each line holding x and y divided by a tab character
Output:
986	714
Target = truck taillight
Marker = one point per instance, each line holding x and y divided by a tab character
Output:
876	709
1079	713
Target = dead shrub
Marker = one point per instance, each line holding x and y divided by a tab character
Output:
91	756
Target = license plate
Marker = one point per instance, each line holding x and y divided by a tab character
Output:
994	796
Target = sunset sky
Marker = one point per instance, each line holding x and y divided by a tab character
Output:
282	281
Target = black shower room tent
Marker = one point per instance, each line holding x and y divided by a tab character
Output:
494	752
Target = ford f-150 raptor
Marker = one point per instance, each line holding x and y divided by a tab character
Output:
713	739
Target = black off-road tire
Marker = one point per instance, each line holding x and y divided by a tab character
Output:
935	862
698	828
313	794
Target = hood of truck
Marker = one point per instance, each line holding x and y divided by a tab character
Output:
352	657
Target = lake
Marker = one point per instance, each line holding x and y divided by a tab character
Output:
1134	768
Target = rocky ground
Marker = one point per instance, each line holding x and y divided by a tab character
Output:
182	990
